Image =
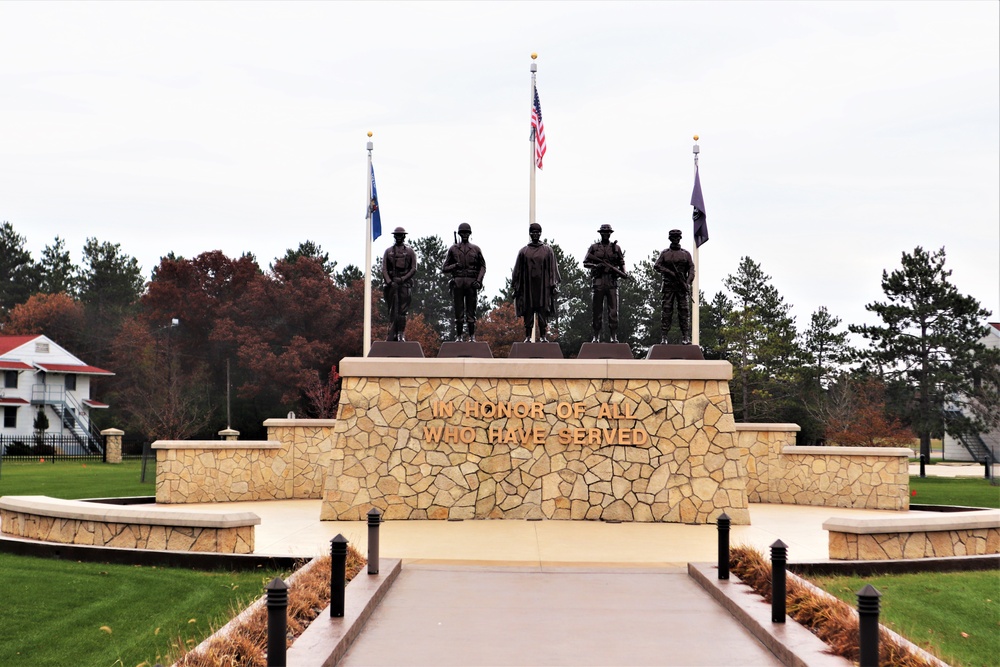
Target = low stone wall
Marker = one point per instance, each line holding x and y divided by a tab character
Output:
557	439
291	463
855	477
935	535
128	527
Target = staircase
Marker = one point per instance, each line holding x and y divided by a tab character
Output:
69	410
974	444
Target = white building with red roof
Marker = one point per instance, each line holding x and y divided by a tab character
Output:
39	375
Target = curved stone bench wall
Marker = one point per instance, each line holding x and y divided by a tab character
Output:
934	535
563	439
126	526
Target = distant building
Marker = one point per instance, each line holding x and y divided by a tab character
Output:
38	375
962	449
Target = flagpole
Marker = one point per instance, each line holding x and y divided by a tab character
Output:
695	312
531	179
367	342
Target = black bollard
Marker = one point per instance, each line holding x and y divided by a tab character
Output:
779	556
338	575
374	519
277	621
723	524
986	468
923	466
868	608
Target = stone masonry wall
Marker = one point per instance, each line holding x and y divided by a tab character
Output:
893	546
687	466
290	464
854	477
238	539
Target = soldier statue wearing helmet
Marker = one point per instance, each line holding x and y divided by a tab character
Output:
399	265
606	262
467	267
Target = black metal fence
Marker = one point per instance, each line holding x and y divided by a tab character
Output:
63	447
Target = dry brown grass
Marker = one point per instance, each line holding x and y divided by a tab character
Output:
828	618
245	645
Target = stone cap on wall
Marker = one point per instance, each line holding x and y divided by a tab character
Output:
216	444
836	450
753	426
85	511
112	431
304	423
550	369
911	523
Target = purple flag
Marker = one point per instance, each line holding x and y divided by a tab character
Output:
700	224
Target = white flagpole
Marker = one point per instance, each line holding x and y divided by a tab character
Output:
367	342
695	313
531	180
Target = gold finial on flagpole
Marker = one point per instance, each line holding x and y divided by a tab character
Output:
695	136
534	55
370	134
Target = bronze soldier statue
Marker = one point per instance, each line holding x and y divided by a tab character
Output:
677	268
606	262
399	265
535	283
467	267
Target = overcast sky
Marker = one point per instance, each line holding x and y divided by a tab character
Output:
834	136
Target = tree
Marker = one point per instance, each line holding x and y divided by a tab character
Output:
760	341
56	271
322	397
54	315
430	295
639	307
855	415
930	343
824	347
501	328
313	251
110	280
18	275
713	316
348	276
571	325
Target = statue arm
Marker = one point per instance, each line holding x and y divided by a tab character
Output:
482	269
411	269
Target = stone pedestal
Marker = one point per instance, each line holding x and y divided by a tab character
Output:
112	445
629	440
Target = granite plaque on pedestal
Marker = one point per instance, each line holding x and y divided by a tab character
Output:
535	351
473	350
391	348
662	352
605	351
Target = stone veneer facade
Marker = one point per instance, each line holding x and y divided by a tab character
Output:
290	464
687	467
855	477
915	535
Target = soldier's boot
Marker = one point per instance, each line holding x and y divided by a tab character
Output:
458	331
614	335
527	333
541	333
597	336
472	332
400	328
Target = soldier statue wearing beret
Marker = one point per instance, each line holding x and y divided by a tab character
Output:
677	268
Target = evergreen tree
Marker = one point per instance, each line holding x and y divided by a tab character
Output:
430	295
110	280
571	324
930	346
760	340
56	271
18	274
312	250
639	307
713	316
348	276
825	348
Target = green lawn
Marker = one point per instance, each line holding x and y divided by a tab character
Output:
969	492
957	613
73	479
68	613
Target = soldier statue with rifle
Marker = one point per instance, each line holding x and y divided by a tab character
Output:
677	268
606	262
399	265
467	267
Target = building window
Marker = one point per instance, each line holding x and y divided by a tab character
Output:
70	383
10	379
41	348
10	417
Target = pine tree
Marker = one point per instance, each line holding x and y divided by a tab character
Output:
930	344
56	271
18	275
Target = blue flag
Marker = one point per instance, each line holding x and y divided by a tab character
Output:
373	211
700	223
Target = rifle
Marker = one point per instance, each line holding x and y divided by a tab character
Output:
614	269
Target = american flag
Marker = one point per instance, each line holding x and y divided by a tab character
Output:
538	130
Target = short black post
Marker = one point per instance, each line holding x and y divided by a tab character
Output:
923	466
723	524
277	621
986	468
374	519
779	556
338	575
868	608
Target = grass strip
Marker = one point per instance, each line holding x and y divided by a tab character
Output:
59	612
72	480
965	491
955	615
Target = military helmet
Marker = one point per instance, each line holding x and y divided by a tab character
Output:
534	227
674	232
606	228
398	230
465	227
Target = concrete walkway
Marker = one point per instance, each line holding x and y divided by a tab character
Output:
438	615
